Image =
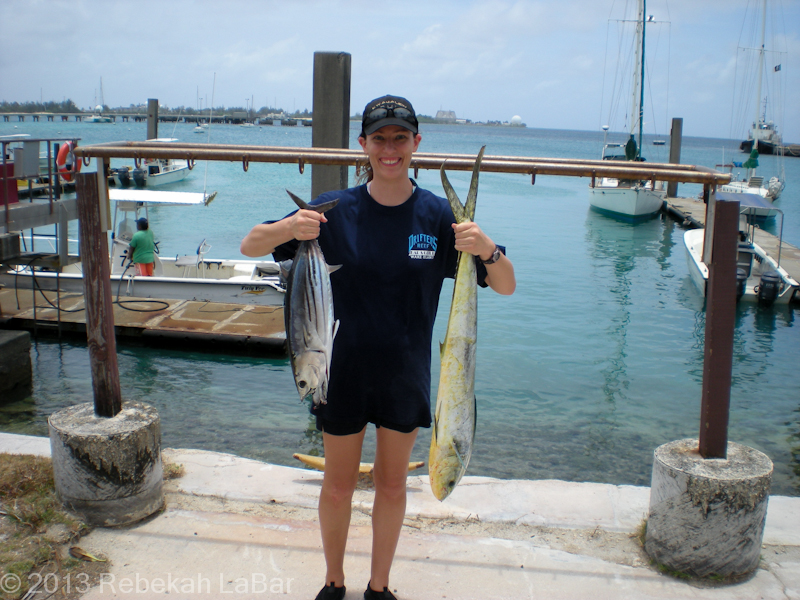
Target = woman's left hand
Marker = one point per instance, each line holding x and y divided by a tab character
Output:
471	239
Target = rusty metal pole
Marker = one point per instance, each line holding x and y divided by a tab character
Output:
97	296
720	321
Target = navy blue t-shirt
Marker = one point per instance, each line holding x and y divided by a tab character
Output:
385	296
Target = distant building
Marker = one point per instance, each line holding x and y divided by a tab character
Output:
446	116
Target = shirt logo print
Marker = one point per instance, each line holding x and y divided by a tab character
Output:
422	246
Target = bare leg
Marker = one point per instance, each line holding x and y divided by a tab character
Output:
342	455
391	469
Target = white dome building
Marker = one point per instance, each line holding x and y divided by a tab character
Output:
517	121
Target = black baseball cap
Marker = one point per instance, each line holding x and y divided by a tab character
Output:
388	110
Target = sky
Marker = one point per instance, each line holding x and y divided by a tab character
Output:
551	62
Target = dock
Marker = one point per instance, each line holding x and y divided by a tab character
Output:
186	324
692	213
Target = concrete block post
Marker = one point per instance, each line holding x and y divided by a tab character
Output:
331	122
106	454
707	516
108	469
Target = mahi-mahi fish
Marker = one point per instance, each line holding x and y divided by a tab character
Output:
455	417
308	315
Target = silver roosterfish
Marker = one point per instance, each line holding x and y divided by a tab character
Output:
308	315
455	417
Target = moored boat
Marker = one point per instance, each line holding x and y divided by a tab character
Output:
190	277
760	278
630	199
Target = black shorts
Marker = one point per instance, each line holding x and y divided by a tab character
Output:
335	428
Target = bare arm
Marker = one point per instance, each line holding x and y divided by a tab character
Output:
500	275
263	238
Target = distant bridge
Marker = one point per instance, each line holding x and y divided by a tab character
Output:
137	117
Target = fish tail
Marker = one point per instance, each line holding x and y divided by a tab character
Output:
472	195
452	197
320	208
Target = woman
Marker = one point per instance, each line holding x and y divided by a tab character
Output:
396	243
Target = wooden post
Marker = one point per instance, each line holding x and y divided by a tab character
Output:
97	296
152	118
720	321
331	117
675	140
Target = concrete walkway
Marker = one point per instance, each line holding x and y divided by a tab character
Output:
235	527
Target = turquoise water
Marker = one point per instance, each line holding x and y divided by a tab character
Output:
593	363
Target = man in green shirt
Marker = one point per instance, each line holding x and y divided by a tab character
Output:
143	247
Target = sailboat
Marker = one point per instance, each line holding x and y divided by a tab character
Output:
98	116
763	137
763	134
623	198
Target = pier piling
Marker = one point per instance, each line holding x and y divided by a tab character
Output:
675	141
331	124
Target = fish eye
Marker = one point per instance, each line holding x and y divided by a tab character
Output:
301	384
451	484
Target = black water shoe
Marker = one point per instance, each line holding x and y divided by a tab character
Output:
331	592
371	594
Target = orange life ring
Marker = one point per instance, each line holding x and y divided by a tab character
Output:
66	162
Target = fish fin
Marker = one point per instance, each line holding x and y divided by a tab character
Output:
335	328
286	266
458	455
333	268
320	208
472	195
475	420
441	349
452	197
435	428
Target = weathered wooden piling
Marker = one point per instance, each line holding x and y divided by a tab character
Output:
331	125
16	374
152	118
708	496
106	456
675	141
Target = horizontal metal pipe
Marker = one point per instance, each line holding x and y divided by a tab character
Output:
455	162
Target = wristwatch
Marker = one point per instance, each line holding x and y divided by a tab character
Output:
496	254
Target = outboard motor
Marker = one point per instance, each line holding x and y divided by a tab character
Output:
124	176
741	282
139	178
768	288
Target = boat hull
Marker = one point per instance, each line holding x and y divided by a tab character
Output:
628	203
245	285
759	263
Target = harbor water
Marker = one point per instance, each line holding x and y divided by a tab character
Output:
595	361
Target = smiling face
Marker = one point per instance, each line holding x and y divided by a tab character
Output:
389	150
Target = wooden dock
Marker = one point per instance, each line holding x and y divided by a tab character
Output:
186	324
692	213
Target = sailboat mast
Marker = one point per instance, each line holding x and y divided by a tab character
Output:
636	70
641	83
760	73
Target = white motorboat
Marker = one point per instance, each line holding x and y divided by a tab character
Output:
190	277
629	199
151	172
760	277
97	117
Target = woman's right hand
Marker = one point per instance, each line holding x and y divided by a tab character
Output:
304	224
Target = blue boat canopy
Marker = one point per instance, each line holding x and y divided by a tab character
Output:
745	200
